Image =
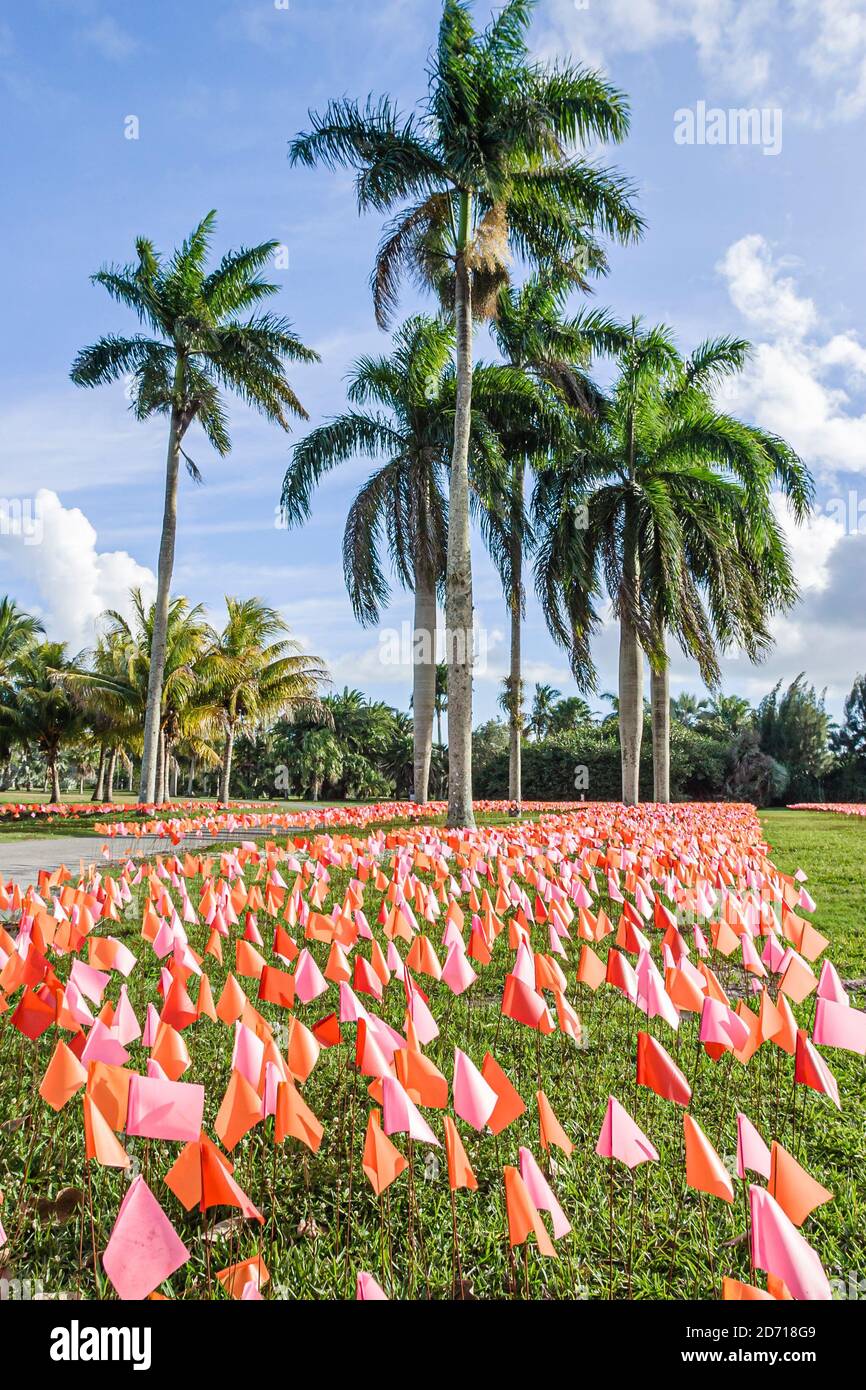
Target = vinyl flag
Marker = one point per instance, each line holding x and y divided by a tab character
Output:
474	1099
510	1104
778	1248
400	1115
64	1076
164	1109
460	1172
144	1248
550	1131
621	1138
705	1171
523	1217
542	1197
838	1025
796	1191
752	1152
368	1291
382	1161
658	1070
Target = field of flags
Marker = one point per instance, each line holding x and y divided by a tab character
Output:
602	1054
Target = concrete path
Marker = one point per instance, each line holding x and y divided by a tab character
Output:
21	860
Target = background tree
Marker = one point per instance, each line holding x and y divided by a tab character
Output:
19	630
200	346
680	533
793	727
481	172
544	702
253	672
45	712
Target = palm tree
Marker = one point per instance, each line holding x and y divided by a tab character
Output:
18	631
738	608
118	688
534	336
543	704
679	528
481	171
254	672
320	760
404	406
198	345
408	423
688	709
727	714
44	712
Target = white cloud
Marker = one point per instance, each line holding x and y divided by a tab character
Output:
55	554
809	55
802	381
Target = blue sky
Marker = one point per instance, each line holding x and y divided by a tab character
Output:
766	245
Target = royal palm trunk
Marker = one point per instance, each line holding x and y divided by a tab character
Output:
630	685
99	789
148	786
660	699
423	681
228	752
458	604
515	682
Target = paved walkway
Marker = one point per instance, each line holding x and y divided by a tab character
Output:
21	860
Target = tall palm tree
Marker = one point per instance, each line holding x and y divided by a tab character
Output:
688	709
402	413
535	336
679	528
736	613
404	407
45	712
483	170
199	344
252	672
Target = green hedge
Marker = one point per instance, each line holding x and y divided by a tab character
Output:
550	768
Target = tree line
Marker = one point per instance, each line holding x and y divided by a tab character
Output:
244	712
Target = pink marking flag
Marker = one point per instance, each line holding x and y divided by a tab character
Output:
144	1248
164	1109
401	1116
830	986
309	980
368	1291
752	1152
838	1025
474	1100
778	1248
539	1190
719	1024
621	1138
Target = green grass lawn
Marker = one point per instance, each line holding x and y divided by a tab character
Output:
831	849
317	1237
